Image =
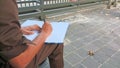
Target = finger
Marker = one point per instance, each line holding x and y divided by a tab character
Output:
26	32
36	27
30	32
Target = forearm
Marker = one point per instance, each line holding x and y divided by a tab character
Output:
24	58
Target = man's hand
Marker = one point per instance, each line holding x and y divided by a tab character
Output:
47	28
29	29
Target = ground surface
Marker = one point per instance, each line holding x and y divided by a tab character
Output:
94	29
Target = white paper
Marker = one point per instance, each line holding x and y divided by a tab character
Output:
57	35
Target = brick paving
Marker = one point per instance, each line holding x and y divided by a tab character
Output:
94	29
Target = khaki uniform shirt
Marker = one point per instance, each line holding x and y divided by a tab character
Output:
12	43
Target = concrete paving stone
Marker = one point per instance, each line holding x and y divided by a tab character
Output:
96	35
103	20
117	31
116	41
114	46
92	30
110	34
108	28
78	66
83	25
67	65
68	49
73	37
116	63
108	51
73	58
99	33
118	23
91	38
71	27
113	35
114	14
65	53
113	26
100	57
78	44
88	39
98	22
107	65
102	25
81	34
90	62
75	26
102	32
69	34
88	25
82	52
116	57
91	22
92	47
99	43
108	22
67	41
106	39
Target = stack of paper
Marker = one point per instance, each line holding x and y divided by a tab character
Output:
57	35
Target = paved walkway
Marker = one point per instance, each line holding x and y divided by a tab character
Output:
95	29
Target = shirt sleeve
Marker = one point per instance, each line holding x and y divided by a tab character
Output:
11	39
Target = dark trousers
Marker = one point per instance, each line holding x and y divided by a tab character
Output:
54	52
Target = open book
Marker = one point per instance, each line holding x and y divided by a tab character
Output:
57	35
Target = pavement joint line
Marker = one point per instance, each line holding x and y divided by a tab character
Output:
111	40
93	32
84	60
78	62
99	37
100	29
68	62
109	58
104	46
81	64
68	53
98	49
89	43
104	27
87	57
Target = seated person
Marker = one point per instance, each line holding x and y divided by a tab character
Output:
13	43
